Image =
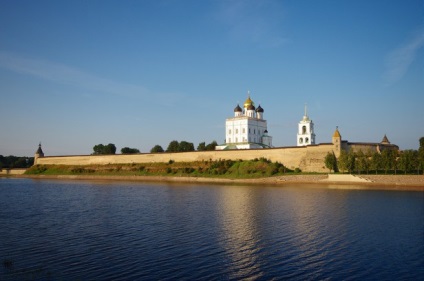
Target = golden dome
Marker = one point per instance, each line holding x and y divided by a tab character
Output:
248	103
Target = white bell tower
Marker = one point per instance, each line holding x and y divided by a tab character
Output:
305	132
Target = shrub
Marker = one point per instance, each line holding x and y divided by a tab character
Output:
38	169
80	170
127	150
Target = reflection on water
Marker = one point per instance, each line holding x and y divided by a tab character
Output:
260	224
241	238
117	230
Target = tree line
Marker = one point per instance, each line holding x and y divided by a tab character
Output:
388	161
9	162
184	146
173	146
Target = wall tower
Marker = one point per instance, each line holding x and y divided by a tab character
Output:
38	154
337	142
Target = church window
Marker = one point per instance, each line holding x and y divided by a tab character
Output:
254	131
304	130
249	130
300	140
236	131
244	130
306	140
229	132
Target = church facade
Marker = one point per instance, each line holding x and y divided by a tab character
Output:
247	129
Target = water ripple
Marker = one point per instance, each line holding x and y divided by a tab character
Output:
58	230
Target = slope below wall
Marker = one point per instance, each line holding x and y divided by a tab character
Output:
307	158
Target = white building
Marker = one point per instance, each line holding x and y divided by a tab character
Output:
305	133
247	129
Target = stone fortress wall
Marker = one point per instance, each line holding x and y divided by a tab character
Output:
15	171
307	158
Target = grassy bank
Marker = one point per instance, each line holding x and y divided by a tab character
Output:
240	169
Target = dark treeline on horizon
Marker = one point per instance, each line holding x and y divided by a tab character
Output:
9	162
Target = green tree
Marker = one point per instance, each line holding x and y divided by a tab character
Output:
388	159
185	146
101	149
156	149
98	149
173	146
415	161
211	146
15	162
393	159
368	159
110	149
127	150
395	163
342	162
406	161
331	161
351	158
21	162
421	155
362	163
201	146
376	161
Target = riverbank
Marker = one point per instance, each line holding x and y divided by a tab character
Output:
380	182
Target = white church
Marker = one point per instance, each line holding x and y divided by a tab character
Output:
248	129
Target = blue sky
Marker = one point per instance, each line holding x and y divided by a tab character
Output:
74	74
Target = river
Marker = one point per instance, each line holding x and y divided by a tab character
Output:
98	230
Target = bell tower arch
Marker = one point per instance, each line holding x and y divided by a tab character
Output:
305	132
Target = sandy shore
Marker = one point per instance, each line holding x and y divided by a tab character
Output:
383	182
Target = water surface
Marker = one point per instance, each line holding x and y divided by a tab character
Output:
90	230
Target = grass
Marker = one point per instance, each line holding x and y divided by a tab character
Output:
256	168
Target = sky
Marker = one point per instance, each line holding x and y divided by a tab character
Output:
74	74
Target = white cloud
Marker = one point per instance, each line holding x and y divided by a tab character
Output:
400	59
63	74
89	83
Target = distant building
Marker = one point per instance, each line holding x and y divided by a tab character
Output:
366	147
247	129
305	133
